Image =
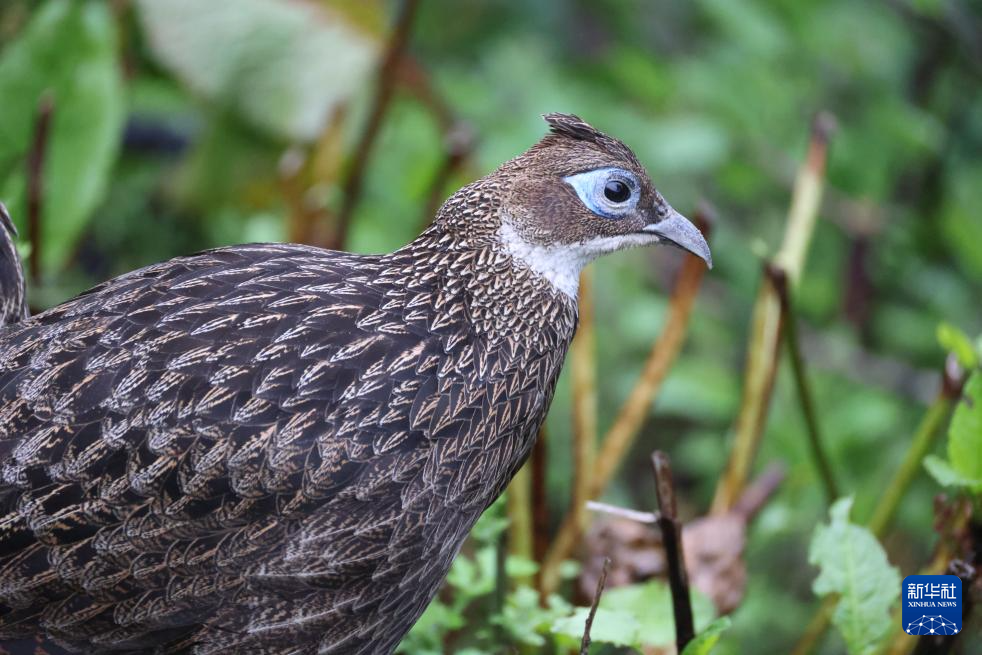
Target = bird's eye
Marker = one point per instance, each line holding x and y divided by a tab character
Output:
607	192
617	191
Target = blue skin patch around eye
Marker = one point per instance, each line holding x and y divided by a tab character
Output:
589	186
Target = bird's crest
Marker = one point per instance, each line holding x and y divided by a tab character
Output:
571	126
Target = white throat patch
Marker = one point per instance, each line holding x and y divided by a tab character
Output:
561	265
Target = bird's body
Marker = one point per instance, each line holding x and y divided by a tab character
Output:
273	448
13	304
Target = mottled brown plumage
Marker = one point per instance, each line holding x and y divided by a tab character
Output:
280	449
13	305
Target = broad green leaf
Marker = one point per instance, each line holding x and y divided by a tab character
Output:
284	67
965	433
67	54
649	605
706	640
955	341
853	565
947	476
617	627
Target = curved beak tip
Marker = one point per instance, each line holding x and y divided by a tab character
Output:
680	232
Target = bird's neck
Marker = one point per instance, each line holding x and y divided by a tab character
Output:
506	297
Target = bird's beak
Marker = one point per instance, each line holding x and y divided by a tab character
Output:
680	231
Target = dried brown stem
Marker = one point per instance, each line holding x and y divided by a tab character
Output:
762	356
384	90
759	492
618	439
671	531
35	182
585	643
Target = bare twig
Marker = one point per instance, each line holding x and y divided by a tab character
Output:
388	73
762	354
619	438
789	324
585	643
671	531
35	182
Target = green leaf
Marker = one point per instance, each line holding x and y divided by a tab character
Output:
947	476
956	342
854	566
617	627
706	640
965	433
651	605
648	605
520	567
285	67
67	54
524	618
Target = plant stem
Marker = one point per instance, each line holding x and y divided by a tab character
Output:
585	642
384	90
762	356
520	515
35	183
789	324
928	431
584	373
671	531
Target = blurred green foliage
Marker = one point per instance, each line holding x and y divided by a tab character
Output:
178	126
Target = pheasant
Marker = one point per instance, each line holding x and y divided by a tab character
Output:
276	448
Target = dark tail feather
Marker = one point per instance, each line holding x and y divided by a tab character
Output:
13	302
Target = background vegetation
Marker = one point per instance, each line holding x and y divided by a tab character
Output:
133	131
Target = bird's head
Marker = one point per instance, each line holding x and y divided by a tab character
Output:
578	194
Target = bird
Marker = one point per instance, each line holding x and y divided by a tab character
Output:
13	304
276	448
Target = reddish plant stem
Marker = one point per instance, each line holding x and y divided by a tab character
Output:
35	182
353	183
